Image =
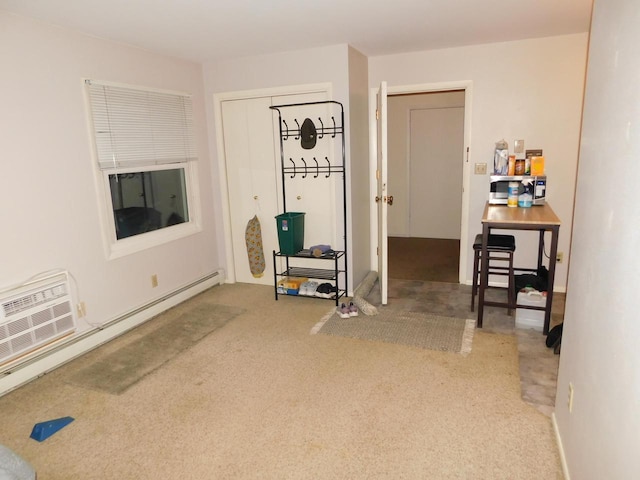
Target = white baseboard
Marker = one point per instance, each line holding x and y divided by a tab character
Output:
563	460
52	358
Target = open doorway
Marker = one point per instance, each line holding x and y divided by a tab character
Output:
425	171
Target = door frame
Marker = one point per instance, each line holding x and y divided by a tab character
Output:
467	86
225	207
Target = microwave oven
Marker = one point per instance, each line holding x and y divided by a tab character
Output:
499	189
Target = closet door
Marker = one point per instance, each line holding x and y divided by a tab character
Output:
252	158
310	191
251	179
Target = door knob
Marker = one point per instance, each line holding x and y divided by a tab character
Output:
377	199
390	200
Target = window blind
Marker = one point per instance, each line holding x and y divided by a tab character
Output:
136	127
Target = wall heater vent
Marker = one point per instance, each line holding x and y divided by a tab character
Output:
34	315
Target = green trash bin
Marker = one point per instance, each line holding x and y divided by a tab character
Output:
290	232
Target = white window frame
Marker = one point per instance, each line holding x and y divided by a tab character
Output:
114	247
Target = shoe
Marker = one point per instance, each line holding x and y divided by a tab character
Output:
343	311
311	288
323	290
303	289
353	310
332	291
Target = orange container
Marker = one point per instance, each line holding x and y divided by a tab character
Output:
537	166
511	169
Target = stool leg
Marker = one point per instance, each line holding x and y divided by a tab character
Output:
474	283
511	285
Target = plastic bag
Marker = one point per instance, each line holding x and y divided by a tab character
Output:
501	158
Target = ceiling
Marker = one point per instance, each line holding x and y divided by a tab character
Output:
212	30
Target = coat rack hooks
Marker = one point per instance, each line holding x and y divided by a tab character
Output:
317	168
333	119
286	130
305	168
321	134
294	167
329	168
297	137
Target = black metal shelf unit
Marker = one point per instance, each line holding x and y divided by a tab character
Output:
313	167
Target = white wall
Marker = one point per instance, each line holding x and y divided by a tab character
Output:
600	348
358	172
530	90
48	199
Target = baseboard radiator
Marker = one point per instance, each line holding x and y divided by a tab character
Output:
34	315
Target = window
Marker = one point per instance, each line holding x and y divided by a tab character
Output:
148	200
145	152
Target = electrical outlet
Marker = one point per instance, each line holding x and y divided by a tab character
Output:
570	399
559	257
82	309
481	168
154	280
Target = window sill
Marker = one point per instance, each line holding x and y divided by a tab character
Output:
144	241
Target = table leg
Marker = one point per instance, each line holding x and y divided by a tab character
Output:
484	277
541	248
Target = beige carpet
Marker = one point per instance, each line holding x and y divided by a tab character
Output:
260	398
433	332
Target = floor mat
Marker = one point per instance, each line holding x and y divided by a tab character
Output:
120	370
424	330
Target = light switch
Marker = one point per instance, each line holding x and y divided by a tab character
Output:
518	146
481	169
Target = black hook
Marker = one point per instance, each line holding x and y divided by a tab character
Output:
286	129
328	171
334	127
294	167
321	128
305	167
297	137
317	168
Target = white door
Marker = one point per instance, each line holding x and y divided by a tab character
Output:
252	158
251	179
382	197
435	179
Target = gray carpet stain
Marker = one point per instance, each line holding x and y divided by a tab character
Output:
122	369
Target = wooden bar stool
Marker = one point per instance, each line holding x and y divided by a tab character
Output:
500	248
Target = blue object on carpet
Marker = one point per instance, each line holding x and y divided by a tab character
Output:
43	430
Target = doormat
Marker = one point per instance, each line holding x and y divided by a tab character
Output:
423	330
120	370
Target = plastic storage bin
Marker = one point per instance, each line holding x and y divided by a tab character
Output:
526	318
290	232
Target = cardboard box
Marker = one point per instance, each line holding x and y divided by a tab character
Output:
290	285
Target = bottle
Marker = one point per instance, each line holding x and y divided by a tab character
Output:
520	167
512	165
512	194
525	199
